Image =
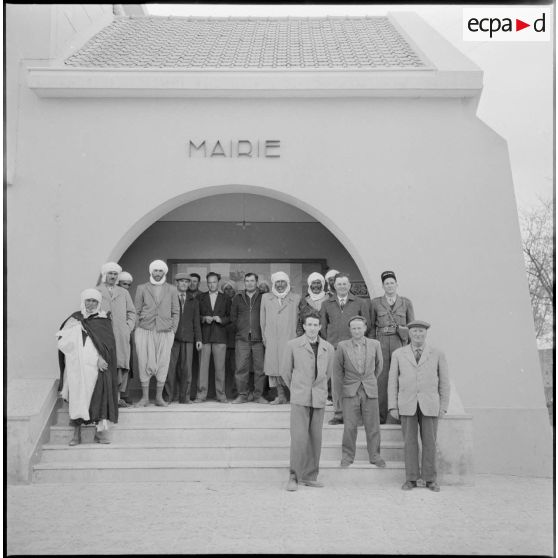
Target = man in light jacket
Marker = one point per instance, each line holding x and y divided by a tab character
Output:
306	367
158	313
418	392
358	363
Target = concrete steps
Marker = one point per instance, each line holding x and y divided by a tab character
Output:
209	441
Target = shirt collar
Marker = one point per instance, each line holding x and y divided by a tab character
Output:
356	343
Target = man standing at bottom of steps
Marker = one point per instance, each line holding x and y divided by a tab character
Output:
306	368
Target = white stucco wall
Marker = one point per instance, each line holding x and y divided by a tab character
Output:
418	185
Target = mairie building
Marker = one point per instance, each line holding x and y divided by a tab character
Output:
234	144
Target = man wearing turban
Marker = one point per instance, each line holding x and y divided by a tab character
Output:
312	302
87	357
158	313
278	320
118	302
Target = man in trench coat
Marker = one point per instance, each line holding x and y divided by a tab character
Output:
306	367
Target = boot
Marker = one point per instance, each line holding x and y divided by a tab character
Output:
77	436
101	437
159	401
144	401
281	399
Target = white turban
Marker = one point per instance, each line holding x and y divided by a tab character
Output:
280	276
109	266
125	276
90	293
158	264
316	277
331	273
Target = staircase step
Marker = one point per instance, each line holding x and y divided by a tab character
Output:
192	471
200	451
253	433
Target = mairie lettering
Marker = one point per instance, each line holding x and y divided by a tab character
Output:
233	149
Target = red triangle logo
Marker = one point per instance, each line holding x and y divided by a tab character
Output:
519	25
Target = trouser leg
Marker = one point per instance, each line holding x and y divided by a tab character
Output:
219	351
337	395
409	427
312	467
258	363
203	376
146	353
351	411
242	352
383	377
300	439
428	431
124	383
371	419
170	382
185	378
163	344
230	373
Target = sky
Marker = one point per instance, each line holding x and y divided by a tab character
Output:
517	98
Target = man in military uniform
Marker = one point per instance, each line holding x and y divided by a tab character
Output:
389	316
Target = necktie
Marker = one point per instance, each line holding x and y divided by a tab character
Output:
417	354
342	303
182	300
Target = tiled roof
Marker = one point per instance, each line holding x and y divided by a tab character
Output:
248	43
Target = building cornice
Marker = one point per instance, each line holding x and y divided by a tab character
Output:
124	82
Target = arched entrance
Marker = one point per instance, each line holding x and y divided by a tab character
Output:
233	233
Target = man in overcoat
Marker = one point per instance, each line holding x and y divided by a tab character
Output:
215	308
335	313
158	313
187	336
418	392
118	301
358	363
388	313
306	366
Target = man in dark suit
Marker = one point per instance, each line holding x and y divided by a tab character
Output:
215	315
187	334
335	313
358	363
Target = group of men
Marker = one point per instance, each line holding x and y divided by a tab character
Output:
300	344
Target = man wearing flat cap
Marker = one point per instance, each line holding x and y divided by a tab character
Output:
187	334
117	300
389	316
158	312
418	392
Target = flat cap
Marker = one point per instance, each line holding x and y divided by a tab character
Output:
182	276
418	323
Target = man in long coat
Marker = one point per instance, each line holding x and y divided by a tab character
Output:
418	392
118	301
278	320
158	312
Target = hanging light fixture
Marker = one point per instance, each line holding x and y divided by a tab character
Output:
243	224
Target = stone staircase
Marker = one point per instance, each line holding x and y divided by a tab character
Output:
204	442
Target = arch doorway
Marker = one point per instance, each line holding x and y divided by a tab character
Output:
234	233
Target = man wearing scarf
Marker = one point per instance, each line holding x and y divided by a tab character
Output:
87	357
158	313
118	302
278	320
330	281
312	302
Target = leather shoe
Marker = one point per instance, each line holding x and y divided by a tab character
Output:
292	485
433	485
241	399
198	400
379	462
409	485
345	464
312	483
222	400
261	400
335	420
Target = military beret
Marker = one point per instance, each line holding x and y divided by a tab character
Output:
387	274
182	276
418	323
